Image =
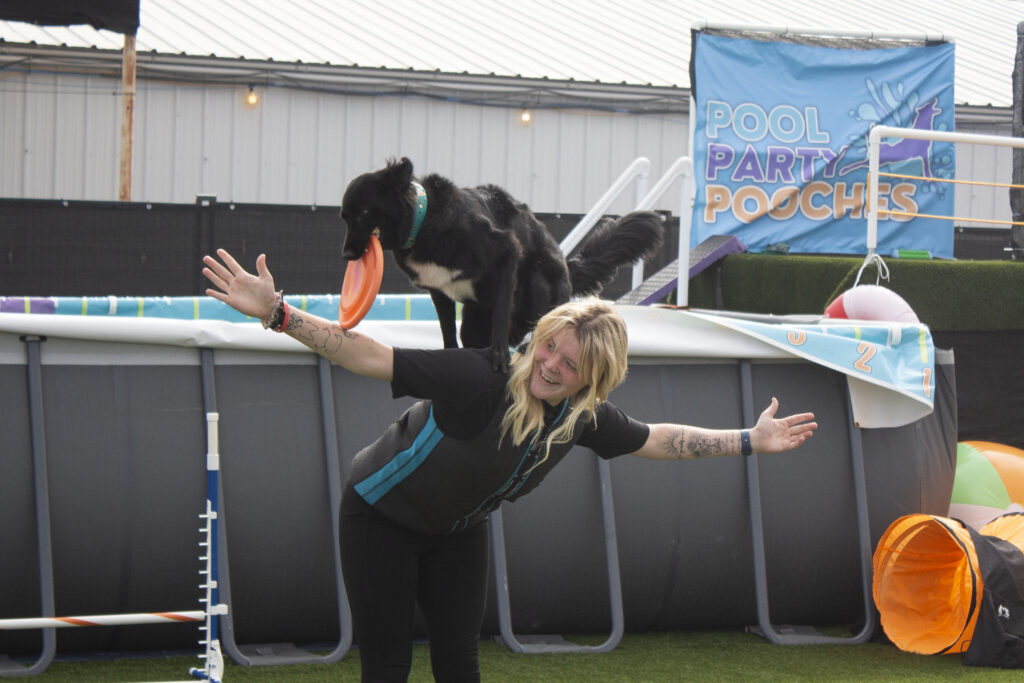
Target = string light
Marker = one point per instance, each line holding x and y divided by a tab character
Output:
525	117
251	98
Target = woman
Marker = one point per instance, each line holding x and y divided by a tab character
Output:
413	509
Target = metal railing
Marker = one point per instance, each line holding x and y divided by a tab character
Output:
681	169
874	171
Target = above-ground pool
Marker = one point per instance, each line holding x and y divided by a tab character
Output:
118	403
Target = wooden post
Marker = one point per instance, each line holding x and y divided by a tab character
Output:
124	193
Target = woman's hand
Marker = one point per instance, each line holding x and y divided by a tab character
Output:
253	295
772	435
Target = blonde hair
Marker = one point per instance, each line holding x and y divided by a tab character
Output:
601	364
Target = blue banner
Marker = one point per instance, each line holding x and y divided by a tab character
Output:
897	356
780	145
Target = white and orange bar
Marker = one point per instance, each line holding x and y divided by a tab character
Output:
874	147
102	620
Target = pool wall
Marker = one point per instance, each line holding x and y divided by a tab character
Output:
123	415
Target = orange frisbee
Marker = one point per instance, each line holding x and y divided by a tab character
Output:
361	284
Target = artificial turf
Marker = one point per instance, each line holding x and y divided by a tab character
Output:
690	656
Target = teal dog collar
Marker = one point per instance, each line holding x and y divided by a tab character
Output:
421	213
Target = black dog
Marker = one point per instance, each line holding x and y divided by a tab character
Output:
482	247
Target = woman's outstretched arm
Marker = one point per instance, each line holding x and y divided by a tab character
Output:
770	435
254	295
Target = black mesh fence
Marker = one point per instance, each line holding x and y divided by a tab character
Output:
53	248
59	248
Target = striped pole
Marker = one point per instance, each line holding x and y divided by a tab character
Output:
213	659
102	620
213	669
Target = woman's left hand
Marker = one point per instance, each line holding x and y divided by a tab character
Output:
250	294
774	435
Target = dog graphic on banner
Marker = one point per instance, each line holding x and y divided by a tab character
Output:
907	149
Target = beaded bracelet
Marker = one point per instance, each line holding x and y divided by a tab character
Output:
278	315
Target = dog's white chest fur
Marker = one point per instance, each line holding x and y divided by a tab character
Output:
447	280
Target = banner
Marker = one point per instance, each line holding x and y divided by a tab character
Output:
896	357
780	144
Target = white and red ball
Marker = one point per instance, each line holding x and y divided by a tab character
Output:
871	302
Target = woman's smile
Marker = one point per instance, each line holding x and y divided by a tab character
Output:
555	374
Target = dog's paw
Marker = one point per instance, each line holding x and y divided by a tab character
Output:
499	359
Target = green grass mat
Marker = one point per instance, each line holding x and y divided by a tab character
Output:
696	656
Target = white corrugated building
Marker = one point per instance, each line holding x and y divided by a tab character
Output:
344	85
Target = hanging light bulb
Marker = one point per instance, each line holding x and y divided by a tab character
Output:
525	117
251	98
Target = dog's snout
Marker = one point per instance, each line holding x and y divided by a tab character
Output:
355	245
350	252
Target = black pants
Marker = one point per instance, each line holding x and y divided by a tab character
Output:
388	570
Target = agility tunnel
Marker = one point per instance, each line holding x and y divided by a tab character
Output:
645	546
942	587
954	584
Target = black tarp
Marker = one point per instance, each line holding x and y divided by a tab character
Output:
999	635
115	15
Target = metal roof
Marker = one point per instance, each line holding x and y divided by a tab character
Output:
645	42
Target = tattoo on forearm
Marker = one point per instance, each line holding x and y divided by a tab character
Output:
681	446
321	339
674	445
702	446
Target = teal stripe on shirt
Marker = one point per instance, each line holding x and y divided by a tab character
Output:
377	485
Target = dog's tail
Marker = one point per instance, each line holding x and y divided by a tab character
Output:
612	244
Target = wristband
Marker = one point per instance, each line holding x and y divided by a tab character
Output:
284	321
745	448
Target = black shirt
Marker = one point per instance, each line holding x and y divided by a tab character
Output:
466	392
443	466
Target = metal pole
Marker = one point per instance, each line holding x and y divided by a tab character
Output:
42	491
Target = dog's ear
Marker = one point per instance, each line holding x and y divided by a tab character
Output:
398	173
402	172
